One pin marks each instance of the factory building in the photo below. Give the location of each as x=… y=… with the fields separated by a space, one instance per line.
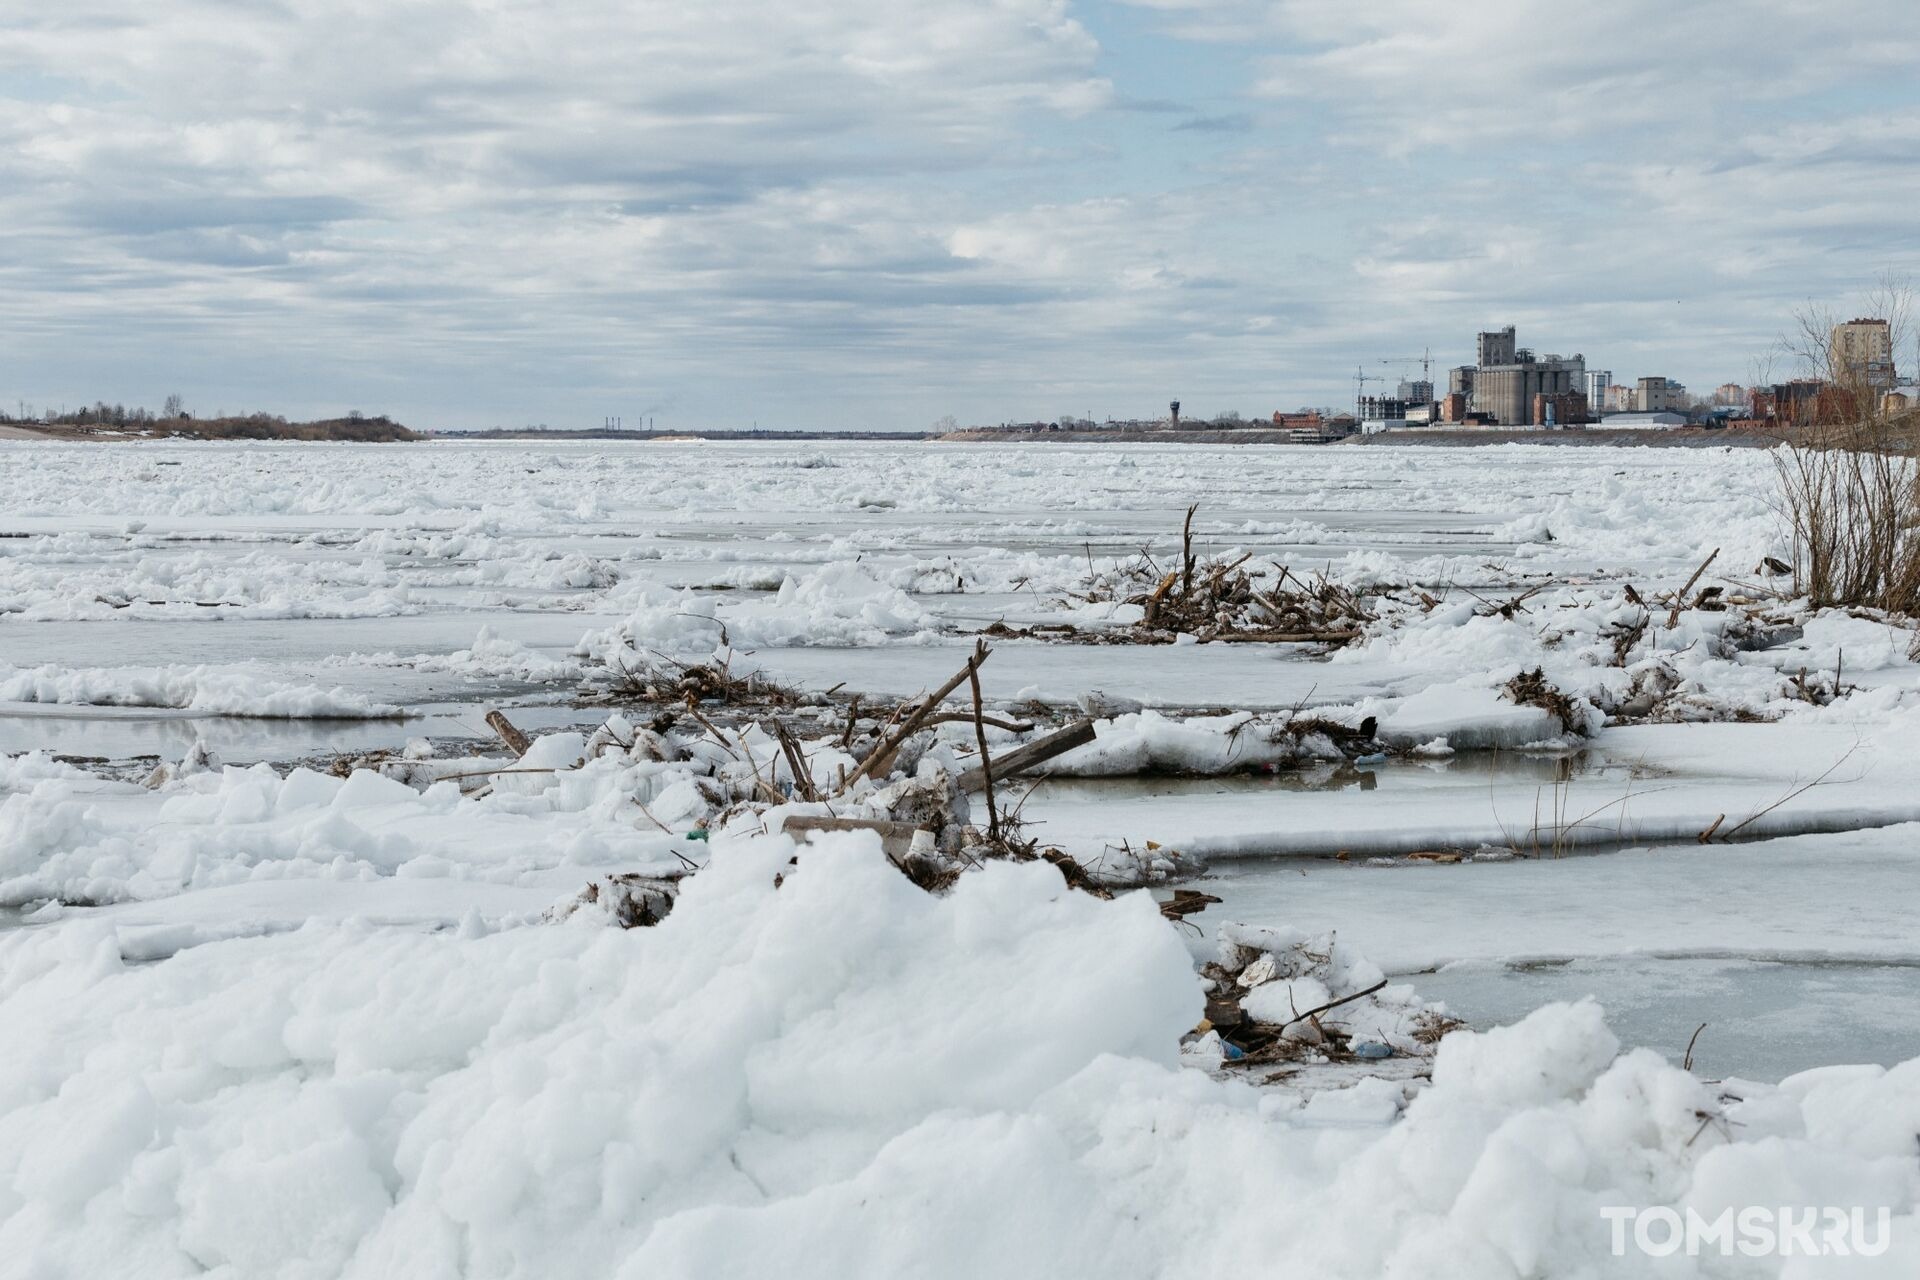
x=1507 y=378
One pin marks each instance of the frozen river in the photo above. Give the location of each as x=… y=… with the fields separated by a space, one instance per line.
x=390 y=593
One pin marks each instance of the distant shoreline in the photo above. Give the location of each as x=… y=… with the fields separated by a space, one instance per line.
x=1474 y=437
x=334 y=430
x=669 y=437
x=371 y=431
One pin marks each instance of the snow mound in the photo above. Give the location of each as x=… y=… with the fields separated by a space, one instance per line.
x=839 y=1076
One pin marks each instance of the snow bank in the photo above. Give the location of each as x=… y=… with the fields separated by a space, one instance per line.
x=207 y=690
x=840 y=1076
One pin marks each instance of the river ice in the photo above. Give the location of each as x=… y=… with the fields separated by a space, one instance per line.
x=263 y=1021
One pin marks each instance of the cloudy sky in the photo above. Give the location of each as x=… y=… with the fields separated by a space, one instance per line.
x=871 y=213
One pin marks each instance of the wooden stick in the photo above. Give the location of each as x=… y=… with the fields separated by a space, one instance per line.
x=517 y=742
x=491 y=773
x=986 y=763
x=796 y=761
x=1186 y=554
x=1679 y=598
x=693 y=709
x=950 y=717
x=1039 y=751
x=1333 y=1004
x=891 y=743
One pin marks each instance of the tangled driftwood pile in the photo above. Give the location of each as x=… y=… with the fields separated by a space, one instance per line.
x=1222 y=599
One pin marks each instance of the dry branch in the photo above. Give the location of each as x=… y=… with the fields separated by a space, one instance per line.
x=881 y=754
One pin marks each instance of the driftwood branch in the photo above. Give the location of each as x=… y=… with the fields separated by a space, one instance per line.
x=517 y=742
x=1679 y=598
x=918 y=718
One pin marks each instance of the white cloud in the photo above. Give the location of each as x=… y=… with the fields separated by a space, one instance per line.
x=471 y=211
x=1408 y=74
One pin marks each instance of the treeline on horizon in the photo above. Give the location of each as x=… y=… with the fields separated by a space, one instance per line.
x=174 y=420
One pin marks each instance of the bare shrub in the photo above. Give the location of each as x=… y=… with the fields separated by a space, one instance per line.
x=1850 y=495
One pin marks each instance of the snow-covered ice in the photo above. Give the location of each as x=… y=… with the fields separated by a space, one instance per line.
x=266 y=1020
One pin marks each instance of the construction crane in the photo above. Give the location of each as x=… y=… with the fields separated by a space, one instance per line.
x=1426 y=364
x=1360 y=380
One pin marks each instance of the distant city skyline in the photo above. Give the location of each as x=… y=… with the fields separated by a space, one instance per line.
x=874 y=213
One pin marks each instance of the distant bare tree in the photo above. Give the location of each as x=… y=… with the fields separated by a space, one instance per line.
x=1809 y=345
x=175 y=407
x=1849 y=481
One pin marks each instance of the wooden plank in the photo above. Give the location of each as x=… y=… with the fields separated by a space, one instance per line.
x=895 y=837
x=1039 y=751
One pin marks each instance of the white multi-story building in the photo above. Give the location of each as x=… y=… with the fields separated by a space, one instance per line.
x=1598 y=380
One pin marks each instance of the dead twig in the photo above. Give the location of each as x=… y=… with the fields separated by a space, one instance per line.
x=1686 y=1063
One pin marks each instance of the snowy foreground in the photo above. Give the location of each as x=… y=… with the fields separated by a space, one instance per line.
x=298 y=977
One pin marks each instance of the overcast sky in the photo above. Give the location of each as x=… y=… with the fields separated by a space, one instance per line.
x=871 y=213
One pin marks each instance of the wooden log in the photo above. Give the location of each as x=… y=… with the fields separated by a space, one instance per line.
x=1157 y=598
x=1284 y=637
x=1037 y=752
x=517 y=742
